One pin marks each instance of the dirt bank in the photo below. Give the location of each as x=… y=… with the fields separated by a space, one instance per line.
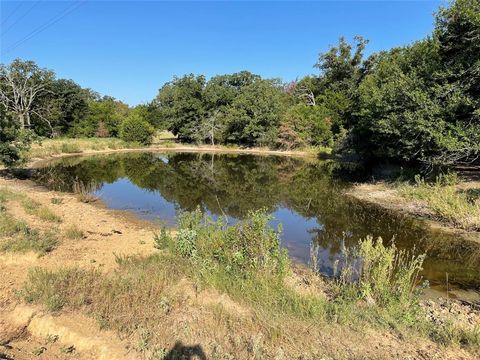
x=181 y=148
x=106 y=234
x=387 y=197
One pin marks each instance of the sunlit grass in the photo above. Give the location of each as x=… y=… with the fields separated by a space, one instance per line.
x=49 y=147
x=36 y=209
x=74 y=233
x=446 y=200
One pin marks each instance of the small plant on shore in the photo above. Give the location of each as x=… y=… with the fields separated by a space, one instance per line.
x=39 y=351
x=381 y=274
x=74 y=233
x=56 y=201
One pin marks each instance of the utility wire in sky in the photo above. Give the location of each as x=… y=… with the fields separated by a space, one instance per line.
x=45 y=26
x=20 y=18
x=4 y=21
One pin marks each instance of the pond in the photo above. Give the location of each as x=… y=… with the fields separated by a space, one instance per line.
x=305 y=195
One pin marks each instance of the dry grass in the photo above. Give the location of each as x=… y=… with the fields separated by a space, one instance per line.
x=447 y=199
x=50 y=147
x=34 y=208
x=74 y=233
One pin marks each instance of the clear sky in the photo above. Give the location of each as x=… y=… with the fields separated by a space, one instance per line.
x=129 y=49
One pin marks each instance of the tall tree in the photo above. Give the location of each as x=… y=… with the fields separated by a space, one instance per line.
x=22 y=85
x=181 y=105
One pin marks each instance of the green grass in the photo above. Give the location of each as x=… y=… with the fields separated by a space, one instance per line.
x=16 y=235
x=446 y=200
x=34 y=208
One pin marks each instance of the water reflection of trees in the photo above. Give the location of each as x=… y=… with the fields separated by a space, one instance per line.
x=234 y=184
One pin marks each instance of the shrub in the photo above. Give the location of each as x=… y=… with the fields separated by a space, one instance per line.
x=247 y=248
x=135 y=129
x=382 y=274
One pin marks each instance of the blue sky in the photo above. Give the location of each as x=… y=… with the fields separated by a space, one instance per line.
x=129 y=49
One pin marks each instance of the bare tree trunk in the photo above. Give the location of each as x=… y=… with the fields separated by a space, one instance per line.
x=212 y=134
x=21 y=120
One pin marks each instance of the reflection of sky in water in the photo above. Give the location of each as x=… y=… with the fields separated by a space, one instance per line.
x=123 y=195
x=296 y=234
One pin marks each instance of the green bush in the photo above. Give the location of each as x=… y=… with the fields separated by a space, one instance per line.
x=382 y=274
x=247 y=248
x=135 y=129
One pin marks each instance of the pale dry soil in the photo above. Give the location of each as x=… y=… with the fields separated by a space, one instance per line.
x=25 y=329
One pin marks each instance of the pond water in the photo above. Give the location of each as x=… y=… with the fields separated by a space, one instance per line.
x=305 y=195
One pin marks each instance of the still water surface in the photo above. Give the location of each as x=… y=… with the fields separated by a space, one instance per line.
x=305 y=196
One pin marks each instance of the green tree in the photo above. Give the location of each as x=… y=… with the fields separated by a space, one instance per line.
x=13 y=140
x=135 y=128
x=311 y=123
x=254 y=115
x=181 y=105
x=103 y=118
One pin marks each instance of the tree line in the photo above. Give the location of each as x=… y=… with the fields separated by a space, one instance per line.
x=418 y=103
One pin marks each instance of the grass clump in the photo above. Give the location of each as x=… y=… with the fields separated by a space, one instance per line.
x=34 y=208
x=74 y=233
x=70 y=148
x=446 y=200
x=16 y=236
x=56 y=201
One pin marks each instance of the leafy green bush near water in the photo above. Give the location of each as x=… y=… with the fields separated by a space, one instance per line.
x=248 y=247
